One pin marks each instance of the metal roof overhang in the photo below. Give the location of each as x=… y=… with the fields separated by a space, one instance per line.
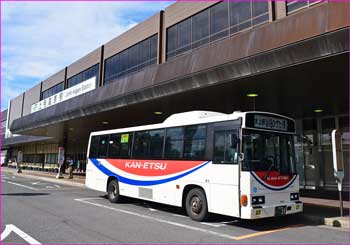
x=145 y=86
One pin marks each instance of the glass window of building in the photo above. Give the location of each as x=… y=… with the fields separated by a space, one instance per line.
x=153 y=49
x=53 y=90
x=219 y=21
x=200 y=25
x=184 y=36
x=131 y=60
x=260 y=12
x=144 y=53
x=214 y=23
x=84 y=75
x=171 y=41
x=293 y=6
x=240 y=16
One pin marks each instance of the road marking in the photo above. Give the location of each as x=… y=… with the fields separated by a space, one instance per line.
x=19 y=232
x=28 y=187
x=260 y=233
x=237 y=238
x=213 y=224
x=84 y=200
x=229 y=222
x=179 y=215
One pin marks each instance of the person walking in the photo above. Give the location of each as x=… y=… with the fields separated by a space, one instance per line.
x=70 y=167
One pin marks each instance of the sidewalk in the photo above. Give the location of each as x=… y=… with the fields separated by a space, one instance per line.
x=316 y=210
x=77 y=181
x=325 y=211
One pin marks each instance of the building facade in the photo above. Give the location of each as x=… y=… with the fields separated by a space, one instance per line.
x=283 y=57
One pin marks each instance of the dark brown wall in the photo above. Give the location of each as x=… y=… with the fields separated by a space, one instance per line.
x=16 y=108
x=31 y=96
x=304 y=24
x=297 y=27
x=84 y=63
x=136 y=34
x=53 y=80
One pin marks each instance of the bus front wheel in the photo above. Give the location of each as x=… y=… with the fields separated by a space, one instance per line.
x=196 y=205
x=113 y=191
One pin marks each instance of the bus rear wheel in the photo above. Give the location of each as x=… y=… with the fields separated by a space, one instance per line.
x=196 y=205
x=113 y=191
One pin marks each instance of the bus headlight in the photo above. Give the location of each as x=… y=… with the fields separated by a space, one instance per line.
x=294 y=196
x=258 y=200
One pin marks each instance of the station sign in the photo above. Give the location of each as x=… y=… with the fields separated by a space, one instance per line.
x=60 y=155
x=338 y=162
x=67 y=94
x=19 y=156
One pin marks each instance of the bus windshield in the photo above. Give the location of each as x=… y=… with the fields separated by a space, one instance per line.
x=268 y=151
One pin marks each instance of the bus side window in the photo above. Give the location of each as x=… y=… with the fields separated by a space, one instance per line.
x=94 y=147
x=141 y=144
x=174 y=143
x=195 y=140
x=114 y=146
x=224 y=151
x=156 y=144
x=103 y=146
x=125 y=145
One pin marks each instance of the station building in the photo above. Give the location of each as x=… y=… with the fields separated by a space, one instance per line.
x=290 y=58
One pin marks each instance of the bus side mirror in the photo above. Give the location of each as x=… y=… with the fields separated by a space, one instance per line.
x=234 y=140
x=241 y=157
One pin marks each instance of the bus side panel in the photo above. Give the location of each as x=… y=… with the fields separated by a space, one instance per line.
x=164 y=193
x=224 y=182
x=95 y=179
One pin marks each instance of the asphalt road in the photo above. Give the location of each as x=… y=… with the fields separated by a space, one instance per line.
x=36 y=211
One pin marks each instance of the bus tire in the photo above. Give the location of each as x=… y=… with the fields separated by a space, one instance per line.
x=113 y=191
x=196 y=205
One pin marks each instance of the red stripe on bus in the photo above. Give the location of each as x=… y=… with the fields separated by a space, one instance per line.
x=153 y=167
x=274 y=178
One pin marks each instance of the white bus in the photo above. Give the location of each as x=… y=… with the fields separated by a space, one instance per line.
x=240 y=164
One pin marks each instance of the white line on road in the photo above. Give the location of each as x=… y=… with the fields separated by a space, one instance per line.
x=19 y=232
x=213 y=224
x=28 y=187
x=179 y=215
x=84 y=200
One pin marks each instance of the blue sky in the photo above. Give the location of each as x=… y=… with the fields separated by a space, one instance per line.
x=41 y=38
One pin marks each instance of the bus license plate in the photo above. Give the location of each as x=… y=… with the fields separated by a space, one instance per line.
x=280 y=210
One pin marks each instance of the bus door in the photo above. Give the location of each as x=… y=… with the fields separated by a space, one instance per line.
x=224 y=177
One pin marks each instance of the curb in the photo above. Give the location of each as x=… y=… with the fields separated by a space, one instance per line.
x=57 y=181
x=338 y=222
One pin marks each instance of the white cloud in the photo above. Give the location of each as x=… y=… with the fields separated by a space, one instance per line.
x=40 y=39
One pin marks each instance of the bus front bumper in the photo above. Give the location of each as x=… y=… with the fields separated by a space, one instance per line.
x=258 y=212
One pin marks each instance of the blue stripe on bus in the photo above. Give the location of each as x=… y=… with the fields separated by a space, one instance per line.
x=273 y=188
x=125 y=180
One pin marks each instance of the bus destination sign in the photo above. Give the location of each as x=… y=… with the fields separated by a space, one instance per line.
x=272 y=123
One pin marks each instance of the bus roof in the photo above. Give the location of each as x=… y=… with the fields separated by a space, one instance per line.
x=188 y=118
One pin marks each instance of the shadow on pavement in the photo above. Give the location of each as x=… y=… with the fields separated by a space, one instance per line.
x=24 y=194
x=257 y=225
